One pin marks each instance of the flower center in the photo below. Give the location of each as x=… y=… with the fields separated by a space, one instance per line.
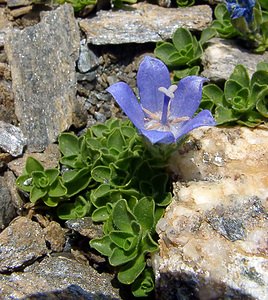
x=168 y=94
x=161 y=120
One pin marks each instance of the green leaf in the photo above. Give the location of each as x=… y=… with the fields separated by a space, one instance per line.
x=52 y=175
x=182 y=37
x=101 y=191
x=262 y=103
x=69 y=144
x=128 y=131
x=33 y=164
x=73 y=161
x=122 y=216
x=262 y=66
x=51 y=202
x=231 y=89
x=102 y=245
x=251 y=119
x=57 y=189
x=102 y=174
x=129 y=272
x=98 y=130
x=144 y=212
x=184 y=3
x=163 y=51
x=144 y=284
x=179 y=74
x=213 y=93
x=40 y=179
x=125 y=240
x=120 y=257
x=240 y=75
x=207 y=34
x=225 y=115
x=101 y=214
x=260 y=77
x=37 y=193
x=24 y=183
x=79 y=209
x=116 y=140
x=79 y=182
x=148 y=244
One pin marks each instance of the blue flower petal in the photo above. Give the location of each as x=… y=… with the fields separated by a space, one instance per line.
x=187 y=96
x=126 y=99
x=204 y=118
x=151 y=75
x=156 y=136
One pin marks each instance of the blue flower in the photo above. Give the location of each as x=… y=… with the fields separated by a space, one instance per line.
x=165 y=112
x=241 y=8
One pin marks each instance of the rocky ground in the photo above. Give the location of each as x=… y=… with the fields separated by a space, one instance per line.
x=54 y=70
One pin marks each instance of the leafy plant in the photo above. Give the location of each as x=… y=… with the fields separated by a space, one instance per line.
x=223 y=22
x=127 y=241
x=78 y=5
x=245 y=19
x=109 y=173
x=184 y=3
x=243 y=100
x=184 y=51
x=45 y=185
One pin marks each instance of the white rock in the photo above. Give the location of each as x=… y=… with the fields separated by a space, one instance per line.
x=222 y=55
x=213 y=237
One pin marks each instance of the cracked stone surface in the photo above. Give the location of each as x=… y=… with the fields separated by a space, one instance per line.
x=142 y=23
x=213 y=237
x=21 y=243
x=42 y=59
x=222 y=55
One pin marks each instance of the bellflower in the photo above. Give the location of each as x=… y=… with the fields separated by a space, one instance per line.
x=241 y=8
x=165 y=112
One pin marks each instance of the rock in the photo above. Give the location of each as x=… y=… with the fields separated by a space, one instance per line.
x=7 y=111
x=222 y=55
x=12 y=139
x=49 y=159
x=42 y=59
x=142 y=23
x=213 y=237
x=21 y=11
x=87 y=58
x=10 y=183
x=217 y=152
x=21 y=243
x=55 y=276
x=16 y=3
x=85 y=227
x=7 y=209
x=55 y=236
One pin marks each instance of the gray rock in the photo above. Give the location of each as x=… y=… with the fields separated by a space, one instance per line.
x=16 y=3
x=87 y=58
x=7 y=209
x=221 y=56
x=142 y=23
x=42 y=59
x=12 y=139
x=58 y=276
x=21 y=243
x=88 y=76
x=85 y=227
x=10 y=183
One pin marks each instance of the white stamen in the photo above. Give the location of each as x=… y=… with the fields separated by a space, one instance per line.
x=168 y=92
x=153 y=116
x=180 y=119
